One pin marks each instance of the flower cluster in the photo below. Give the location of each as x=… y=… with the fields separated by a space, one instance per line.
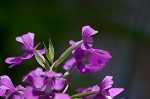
x=49 y=83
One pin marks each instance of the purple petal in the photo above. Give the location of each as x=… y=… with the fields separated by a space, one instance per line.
x=106 y=83
x=19 y=87
x=81 y=67
x=35 y=78
x=115 y=91
x=10 y=92
x=72 y=42
x=86 y=46
x=6 y=81
x=59 y=83
x=69 y=63
x=96 y=60
x=100 y=96
x=87 y=32
x=88 y=68
x=51 y=74
x=27 y=55
x=13 y=60
x=54 y=81
x=58 y=75
x=38 y=82
x=27 y=40
x=62 y=96
x=79 y=54
x=37 y=45
x=30 y=93
x=42 y=51
x=36 y=73
x=17 y=95
x=96 y=88
x=18 y=60
x=80 y=90
x=98 y=57
x=2 y=92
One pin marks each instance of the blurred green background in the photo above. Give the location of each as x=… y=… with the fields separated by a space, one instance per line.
x=124 y=31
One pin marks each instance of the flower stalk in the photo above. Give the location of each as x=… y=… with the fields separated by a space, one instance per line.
x=64 y=55
x=41 y=60
x=83 y=94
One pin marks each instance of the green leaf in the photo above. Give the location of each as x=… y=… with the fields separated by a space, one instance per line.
x=41 y=60
x=65 y=54
x=49 y=52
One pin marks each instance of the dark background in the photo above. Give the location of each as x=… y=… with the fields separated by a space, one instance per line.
x=124 y=31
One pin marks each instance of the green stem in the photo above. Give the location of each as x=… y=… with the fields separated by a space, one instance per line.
x=42 y=61
x=66 y=74
x=80 y=95
x=64 y=55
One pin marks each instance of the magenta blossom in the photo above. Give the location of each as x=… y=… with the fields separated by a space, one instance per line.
x=96 y=60
x=86 y=58
x=43 y=83
x=28 y=44
x=41 y=79
x=105 y=90
x=87 y=33
x=32 y=93
x=8 y=90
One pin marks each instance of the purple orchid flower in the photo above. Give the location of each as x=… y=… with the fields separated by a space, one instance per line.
x=32 y=93
x=87 y=33
x=8 y=90
x=95 y=61
x=40 y=79
x=43 y=83
x=104 y=90
x=28 y=44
